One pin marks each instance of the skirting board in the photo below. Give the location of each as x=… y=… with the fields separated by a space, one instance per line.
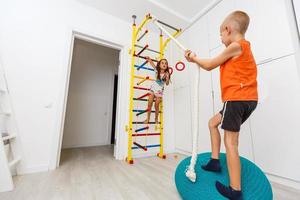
x=33 y=169
x=284 y=182
x=186 y=153
x=84 y=145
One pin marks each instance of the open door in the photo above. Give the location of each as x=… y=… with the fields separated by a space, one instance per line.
x=114 y=109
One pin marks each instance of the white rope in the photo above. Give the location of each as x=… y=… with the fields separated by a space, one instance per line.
x=170 y=36
x=190 y=173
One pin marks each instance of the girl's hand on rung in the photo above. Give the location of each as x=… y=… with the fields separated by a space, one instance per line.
x=167 y=76
x=148 y=58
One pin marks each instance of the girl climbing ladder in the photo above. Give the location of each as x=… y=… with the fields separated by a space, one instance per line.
x=139 y=130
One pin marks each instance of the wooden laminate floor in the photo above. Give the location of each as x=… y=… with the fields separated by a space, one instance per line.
x=93 y=173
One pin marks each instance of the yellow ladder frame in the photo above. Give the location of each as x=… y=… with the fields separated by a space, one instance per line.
x=162 y=48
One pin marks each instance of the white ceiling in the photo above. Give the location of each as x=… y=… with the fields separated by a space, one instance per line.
x=179 y=13
x=187 y=9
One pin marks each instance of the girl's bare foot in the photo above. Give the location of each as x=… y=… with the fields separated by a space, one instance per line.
x=146 y=121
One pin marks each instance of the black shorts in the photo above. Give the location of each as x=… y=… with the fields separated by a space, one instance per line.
x=235 y=113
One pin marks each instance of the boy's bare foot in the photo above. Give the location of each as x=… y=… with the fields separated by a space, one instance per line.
x=146 y=121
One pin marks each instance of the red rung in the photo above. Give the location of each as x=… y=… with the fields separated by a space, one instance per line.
x=145 y=134
x=141 y=88
x=147 y=94
x=142 y=147
x=143 y=49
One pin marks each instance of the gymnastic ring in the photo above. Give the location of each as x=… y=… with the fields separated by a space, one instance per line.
x=170 y=70
x=180 y=63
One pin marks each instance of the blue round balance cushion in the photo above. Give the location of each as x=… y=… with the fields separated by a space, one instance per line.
x=255 y=185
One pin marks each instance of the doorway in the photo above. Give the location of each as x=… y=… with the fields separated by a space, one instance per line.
x=92 y=96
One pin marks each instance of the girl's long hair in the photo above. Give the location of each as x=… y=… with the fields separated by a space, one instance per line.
x=158 y=69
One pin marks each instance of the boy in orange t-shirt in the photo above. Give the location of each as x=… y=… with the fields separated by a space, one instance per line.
x=238 y=74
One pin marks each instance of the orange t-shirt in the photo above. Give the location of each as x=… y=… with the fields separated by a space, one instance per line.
x=238 y=76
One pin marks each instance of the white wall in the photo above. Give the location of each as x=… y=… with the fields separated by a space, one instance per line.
x=268 y=138
x=194 y=38
x=89 y=107
x=35 y=39
x=35 y=48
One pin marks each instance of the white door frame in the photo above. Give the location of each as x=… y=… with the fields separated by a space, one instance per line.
x=55 y=156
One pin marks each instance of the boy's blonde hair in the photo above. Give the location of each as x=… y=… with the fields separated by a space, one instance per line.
x=240 y=20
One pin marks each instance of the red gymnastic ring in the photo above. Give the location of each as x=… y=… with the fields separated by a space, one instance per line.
x=170 y=70
x=180 y=63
